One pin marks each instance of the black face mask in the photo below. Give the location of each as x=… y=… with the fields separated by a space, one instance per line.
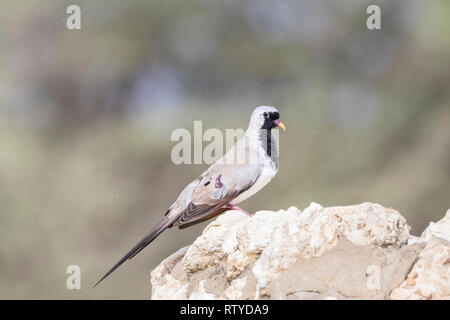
x=269 y=118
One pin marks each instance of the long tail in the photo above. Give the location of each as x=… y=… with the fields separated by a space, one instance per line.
x=149 y=237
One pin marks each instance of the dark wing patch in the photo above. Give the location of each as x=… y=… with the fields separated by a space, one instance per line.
x=219 y=183
x=197 y=213
x=194 y=212
x=203 y=218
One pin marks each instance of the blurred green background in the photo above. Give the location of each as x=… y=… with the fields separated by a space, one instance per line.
x=86 y=117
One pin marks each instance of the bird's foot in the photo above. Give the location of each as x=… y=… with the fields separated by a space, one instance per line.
x=233 y=207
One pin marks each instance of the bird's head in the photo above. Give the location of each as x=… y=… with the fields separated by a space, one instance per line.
x=266 y=117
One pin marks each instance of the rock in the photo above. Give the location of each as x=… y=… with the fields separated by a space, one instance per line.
x=346 y=272
x=439 y=229
x=362 y=251
x=430 y=276
x=163 y=274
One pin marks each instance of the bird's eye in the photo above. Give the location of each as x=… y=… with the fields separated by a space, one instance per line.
x=265 y=114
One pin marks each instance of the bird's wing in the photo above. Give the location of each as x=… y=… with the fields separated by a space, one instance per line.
x=218 y=186
x=202 y=199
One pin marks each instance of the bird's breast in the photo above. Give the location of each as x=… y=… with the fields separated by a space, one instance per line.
x=266 y=175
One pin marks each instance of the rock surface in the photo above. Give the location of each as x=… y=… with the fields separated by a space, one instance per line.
x=352 y=252
x=430 y=275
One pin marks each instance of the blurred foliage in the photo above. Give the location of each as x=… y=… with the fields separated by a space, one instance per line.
x=86 y=118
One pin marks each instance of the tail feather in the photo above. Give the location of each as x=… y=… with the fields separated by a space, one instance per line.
x=149 y=237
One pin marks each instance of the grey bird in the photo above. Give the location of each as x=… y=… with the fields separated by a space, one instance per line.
x=244 y=170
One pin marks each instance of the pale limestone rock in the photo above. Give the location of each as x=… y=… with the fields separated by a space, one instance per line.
x=439 y=229
x=161 y=277
x=173 y=289
x=250 y=258
x=430 y=276
x=372 y=224
x=200 y=293
x=234 y=291
x=414 y=239
x=207 y=249
x=278 y=239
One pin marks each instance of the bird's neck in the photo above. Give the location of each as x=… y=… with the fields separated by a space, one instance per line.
x=263 y=138
x=266 y=141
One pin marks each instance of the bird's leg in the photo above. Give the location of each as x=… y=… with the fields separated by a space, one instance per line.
x=233 y=207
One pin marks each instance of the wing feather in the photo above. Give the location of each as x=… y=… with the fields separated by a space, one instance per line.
x=208 y=199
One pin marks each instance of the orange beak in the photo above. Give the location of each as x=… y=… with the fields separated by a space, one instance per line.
x=280 y=124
